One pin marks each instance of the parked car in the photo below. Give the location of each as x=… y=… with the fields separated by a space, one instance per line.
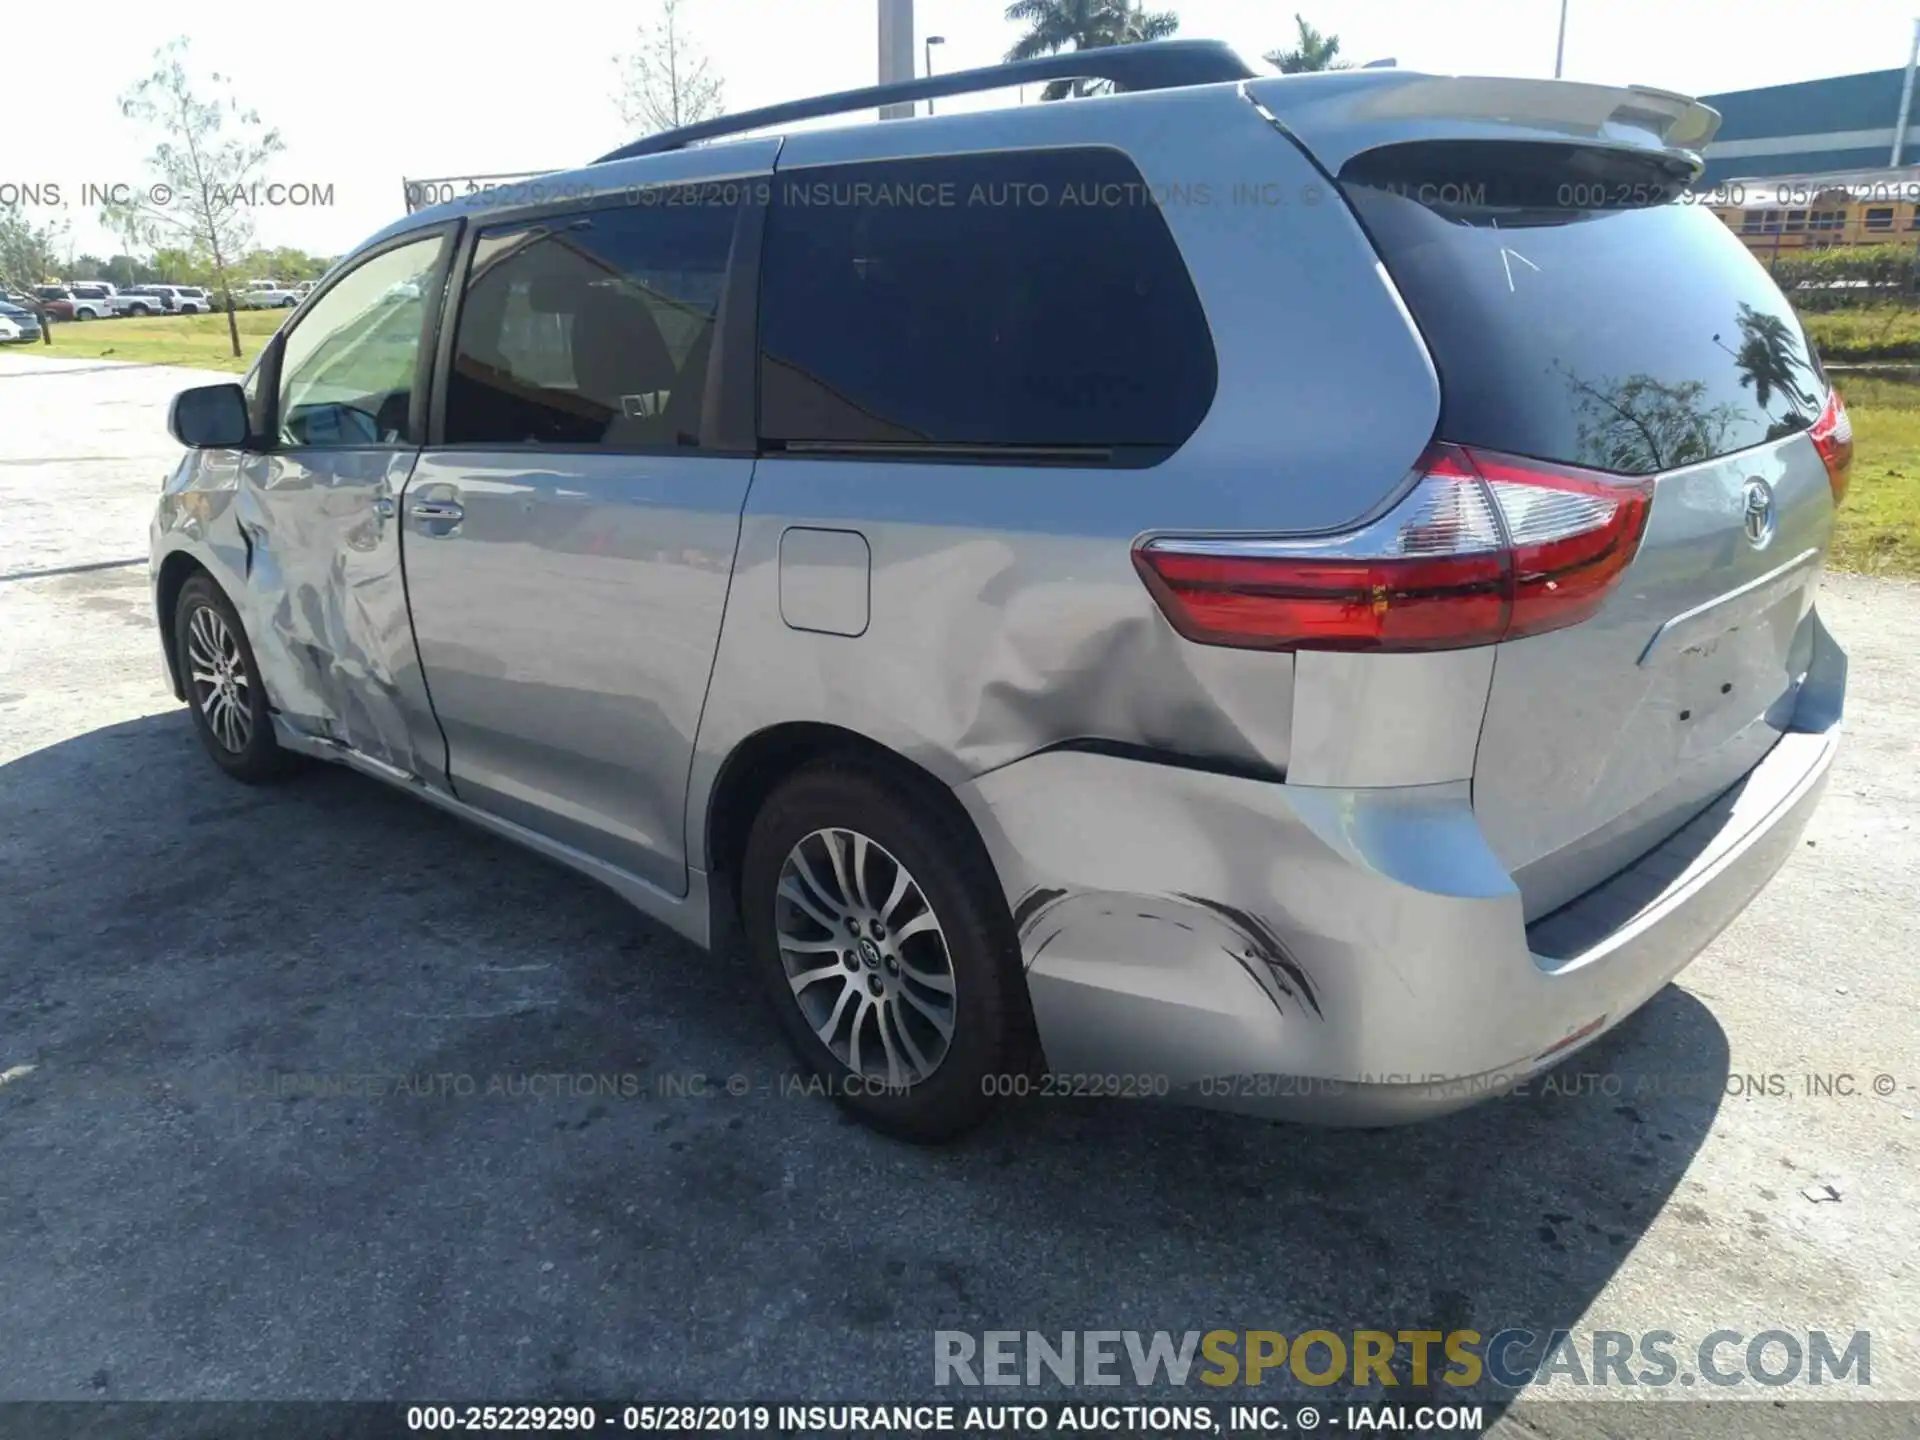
x=144 y=300
x=57 y=300
x=190 y=299
x=92 y=300
x=24 y=323
x=268 y=295
x=1333 y=646
x=9 y=331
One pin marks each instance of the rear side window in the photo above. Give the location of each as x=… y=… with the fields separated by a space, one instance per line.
x=590 y=329
x=1579 y=310
x=1003 y=303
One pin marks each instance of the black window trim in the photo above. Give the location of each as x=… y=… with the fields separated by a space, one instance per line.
x=266 y=423
x=731 y=401
x=1012 y=455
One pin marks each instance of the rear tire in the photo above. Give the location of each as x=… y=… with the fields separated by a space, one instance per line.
x=884 y=944
x=222 y=683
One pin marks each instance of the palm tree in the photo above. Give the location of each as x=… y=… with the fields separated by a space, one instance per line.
x=1056 y=25
x=1314 y=52
x=1770 y=358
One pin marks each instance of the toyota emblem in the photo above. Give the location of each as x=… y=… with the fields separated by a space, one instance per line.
x=1756 y=513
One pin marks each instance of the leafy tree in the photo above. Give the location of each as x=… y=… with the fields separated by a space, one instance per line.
x=119 y=271
x=29 y=256
x=283 y=263
x=175 y=266
x=1057 y=25
x=1314 y=52
x=1638 y=424
x=667 y=81
x=124 y=270
x=206 y=152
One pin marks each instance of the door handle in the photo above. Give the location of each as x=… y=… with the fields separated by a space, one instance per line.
x=440 y=510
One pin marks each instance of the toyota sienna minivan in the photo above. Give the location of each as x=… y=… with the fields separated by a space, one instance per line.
x=1294 y=593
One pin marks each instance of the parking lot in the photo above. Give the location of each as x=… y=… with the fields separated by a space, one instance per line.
x=312 y=1091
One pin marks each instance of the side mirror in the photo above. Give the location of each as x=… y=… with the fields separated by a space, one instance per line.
x=209 y=417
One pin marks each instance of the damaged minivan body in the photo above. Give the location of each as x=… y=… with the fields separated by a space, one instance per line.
x=1331 y=559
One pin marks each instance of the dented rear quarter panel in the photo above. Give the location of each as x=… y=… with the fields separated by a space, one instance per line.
x=1005 y=614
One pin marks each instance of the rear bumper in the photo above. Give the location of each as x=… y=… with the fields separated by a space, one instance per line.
x=1349 y=956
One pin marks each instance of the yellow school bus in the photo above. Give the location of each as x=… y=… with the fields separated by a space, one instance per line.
x=1810 y=212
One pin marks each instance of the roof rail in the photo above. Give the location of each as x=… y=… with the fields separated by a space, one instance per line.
x=1153 y=65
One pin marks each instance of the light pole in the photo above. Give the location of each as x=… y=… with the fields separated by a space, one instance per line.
x=896 y=54
x=1560 y=49
x=932 y=40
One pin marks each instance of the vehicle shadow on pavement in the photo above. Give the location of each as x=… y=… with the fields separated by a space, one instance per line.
x=316 y=1091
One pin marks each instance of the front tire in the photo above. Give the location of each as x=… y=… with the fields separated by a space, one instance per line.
x=884 y=944
x=222 y=682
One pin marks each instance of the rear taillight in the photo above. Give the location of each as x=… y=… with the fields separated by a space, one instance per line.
x=1486 y=548
x=1832 y=436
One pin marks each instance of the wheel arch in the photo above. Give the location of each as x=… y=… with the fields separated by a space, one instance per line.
x=175 y=570
x=762 y=761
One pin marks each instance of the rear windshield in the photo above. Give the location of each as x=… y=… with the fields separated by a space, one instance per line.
x=1579 y=308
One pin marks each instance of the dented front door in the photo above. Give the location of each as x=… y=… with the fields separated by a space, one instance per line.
x=319 y=508
x=326 y=575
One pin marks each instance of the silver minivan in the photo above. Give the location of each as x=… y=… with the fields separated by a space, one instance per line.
x=1292 y=593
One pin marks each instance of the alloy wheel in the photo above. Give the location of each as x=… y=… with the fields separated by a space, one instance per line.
x=865 y=957
x=219 y=676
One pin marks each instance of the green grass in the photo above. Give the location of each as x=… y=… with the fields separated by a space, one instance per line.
x=1880 y=332
x=197 y=340
x=1879 y=528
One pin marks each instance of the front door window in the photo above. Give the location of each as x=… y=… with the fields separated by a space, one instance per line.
x=349 y=368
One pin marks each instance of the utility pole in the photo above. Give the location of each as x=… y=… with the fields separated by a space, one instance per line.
x=1560 y=48
x=1906 y=98
x=896 y=52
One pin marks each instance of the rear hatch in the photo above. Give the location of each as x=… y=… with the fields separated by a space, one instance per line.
x=1580 y=311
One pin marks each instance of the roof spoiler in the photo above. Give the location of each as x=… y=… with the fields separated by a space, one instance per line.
x=1338 y=116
